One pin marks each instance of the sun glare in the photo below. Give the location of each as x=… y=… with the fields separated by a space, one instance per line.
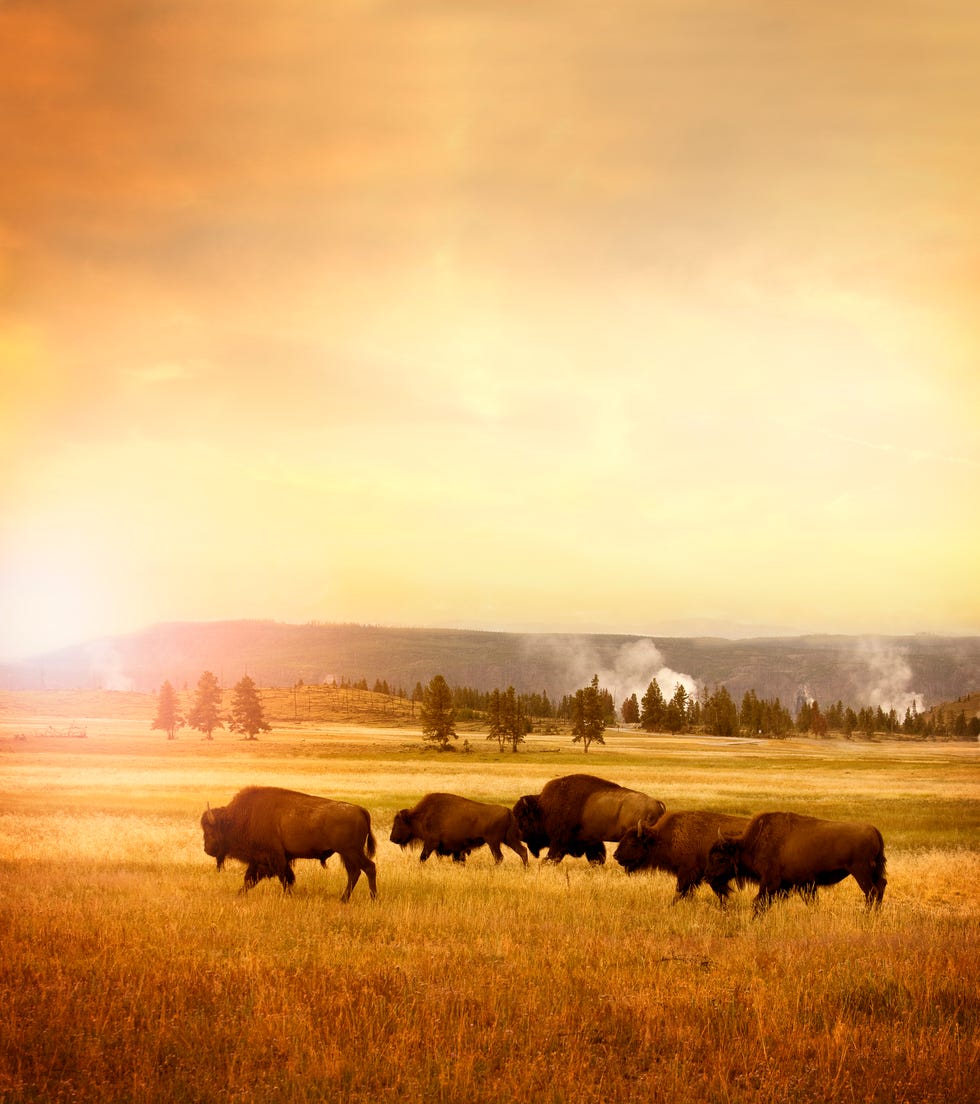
x=45 y=606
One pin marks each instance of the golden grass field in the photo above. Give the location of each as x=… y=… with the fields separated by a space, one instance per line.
x=132 y=970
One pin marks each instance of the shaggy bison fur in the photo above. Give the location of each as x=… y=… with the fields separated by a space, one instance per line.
x=788 y=851
x=268 y=828
x=575 y=814
x=678 y=843
x=452 y=825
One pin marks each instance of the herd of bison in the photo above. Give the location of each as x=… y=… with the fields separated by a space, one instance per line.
x=268 y=828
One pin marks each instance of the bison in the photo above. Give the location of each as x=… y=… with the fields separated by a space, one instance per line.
x=789 y=851
x=451 y=825
x=574 y=814
x=267 y=828
x=679 y=844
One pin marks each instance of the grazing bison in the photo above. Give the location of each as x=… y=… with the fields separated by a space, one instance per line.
x=573 y=815
x=451 y=825
x=787 y=851
x=679 y=844
x=267 y=828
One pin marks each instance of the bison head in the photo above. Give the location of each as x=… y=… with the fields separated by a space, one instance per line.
x=529 y=817
x=215 y=844
x=633 y=851
x=722 y=863
x=401 y=829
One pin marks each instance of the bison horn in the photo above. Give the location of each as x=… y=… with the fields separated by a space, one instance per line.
x=209 y=814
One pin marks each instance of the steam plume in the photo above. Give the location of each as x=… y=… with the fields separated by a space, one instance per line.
x=889 y=677
x=631 y=670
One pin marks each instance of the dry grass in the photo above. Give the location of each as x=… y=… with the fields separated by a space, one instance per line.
x=133 y=971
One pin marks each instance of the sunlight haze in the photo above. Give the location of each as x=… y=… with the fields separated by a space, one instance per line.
x=650 y=318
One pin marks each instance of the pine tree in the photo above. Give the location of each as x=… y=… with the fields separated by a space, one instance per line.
x=246 y=710
x=437 y=713
x=652 y=708
x=804 y=716
x=720 y=713
x=417 y=695
x=588 y=715
x=630 y=710
x=675 y=716
x=516 y=718
x=495 y=716
x=750 y=715
x=168 y=715
x=205 y=714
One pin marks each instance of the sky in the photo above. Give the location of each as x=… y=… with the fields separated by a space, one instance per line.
x=645 y=317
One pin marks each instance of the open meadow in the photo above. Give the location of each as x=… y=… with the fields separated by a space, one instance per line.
x=132 y=970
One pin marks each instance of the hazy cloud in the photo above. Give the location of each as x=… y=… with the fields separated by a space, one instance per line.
x=570 y=314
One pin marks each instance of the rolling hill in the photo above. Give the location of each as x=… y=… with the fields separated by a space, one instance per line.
x=859 y=671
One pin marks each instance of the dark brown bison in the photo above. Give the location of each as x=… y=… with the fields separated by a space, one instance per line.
x=267 y=828
x=573 y=815
x=679 y=844
x=452 y=825
x=788 y=851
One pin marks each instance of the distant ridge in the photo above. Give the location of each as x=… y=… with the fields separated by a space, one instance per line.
x=857 y=670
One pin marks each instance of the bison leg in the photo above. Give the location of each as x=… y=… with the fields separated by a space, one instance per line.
x=722 y=892
x=252 y=877
x=426 y=852
x=763 y=900
x=498 y=855
x=685 y=890
x=353 y=873
x=460 y=856
x=286 y=877
x=515 y=843
x=520 y=850
x=371 y=870
x=255 y=871
x=808 y=891
x=689 y=877
x=354 y=867
x=872 y=883
x=596 y=853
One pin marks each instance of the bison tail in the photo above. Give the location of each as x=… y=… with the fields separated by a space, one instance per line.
x=370 y=845
x=879 y=864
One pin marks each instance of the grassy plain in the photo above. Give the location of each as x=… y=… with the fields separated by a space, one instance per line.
x=131 y=970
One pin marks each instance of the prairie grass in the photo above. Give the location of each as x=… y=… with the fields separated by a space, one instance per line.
x=131 y=970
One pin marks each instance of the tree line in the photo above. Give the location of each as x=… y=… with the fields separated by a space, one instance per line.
x=717 y=714
x=510 y=715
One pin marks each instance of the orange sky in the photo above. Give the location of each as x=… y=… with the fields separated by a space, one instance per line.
x=639 y=317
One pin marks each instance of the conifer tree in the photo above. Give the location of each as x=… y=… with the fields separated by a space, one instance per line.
x=588 y=715
x=246 y=710
x=652 y=708
x=438 y=714
x=168 y=715
x=675 y=716
x=721 y=716
x=630 y=710
x=495 y=717
x=205 y=714
x=515 y=715
x=417 y=696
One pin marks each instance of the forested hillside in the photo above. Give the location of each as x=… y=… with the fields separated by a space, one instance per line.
x=892 y=671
